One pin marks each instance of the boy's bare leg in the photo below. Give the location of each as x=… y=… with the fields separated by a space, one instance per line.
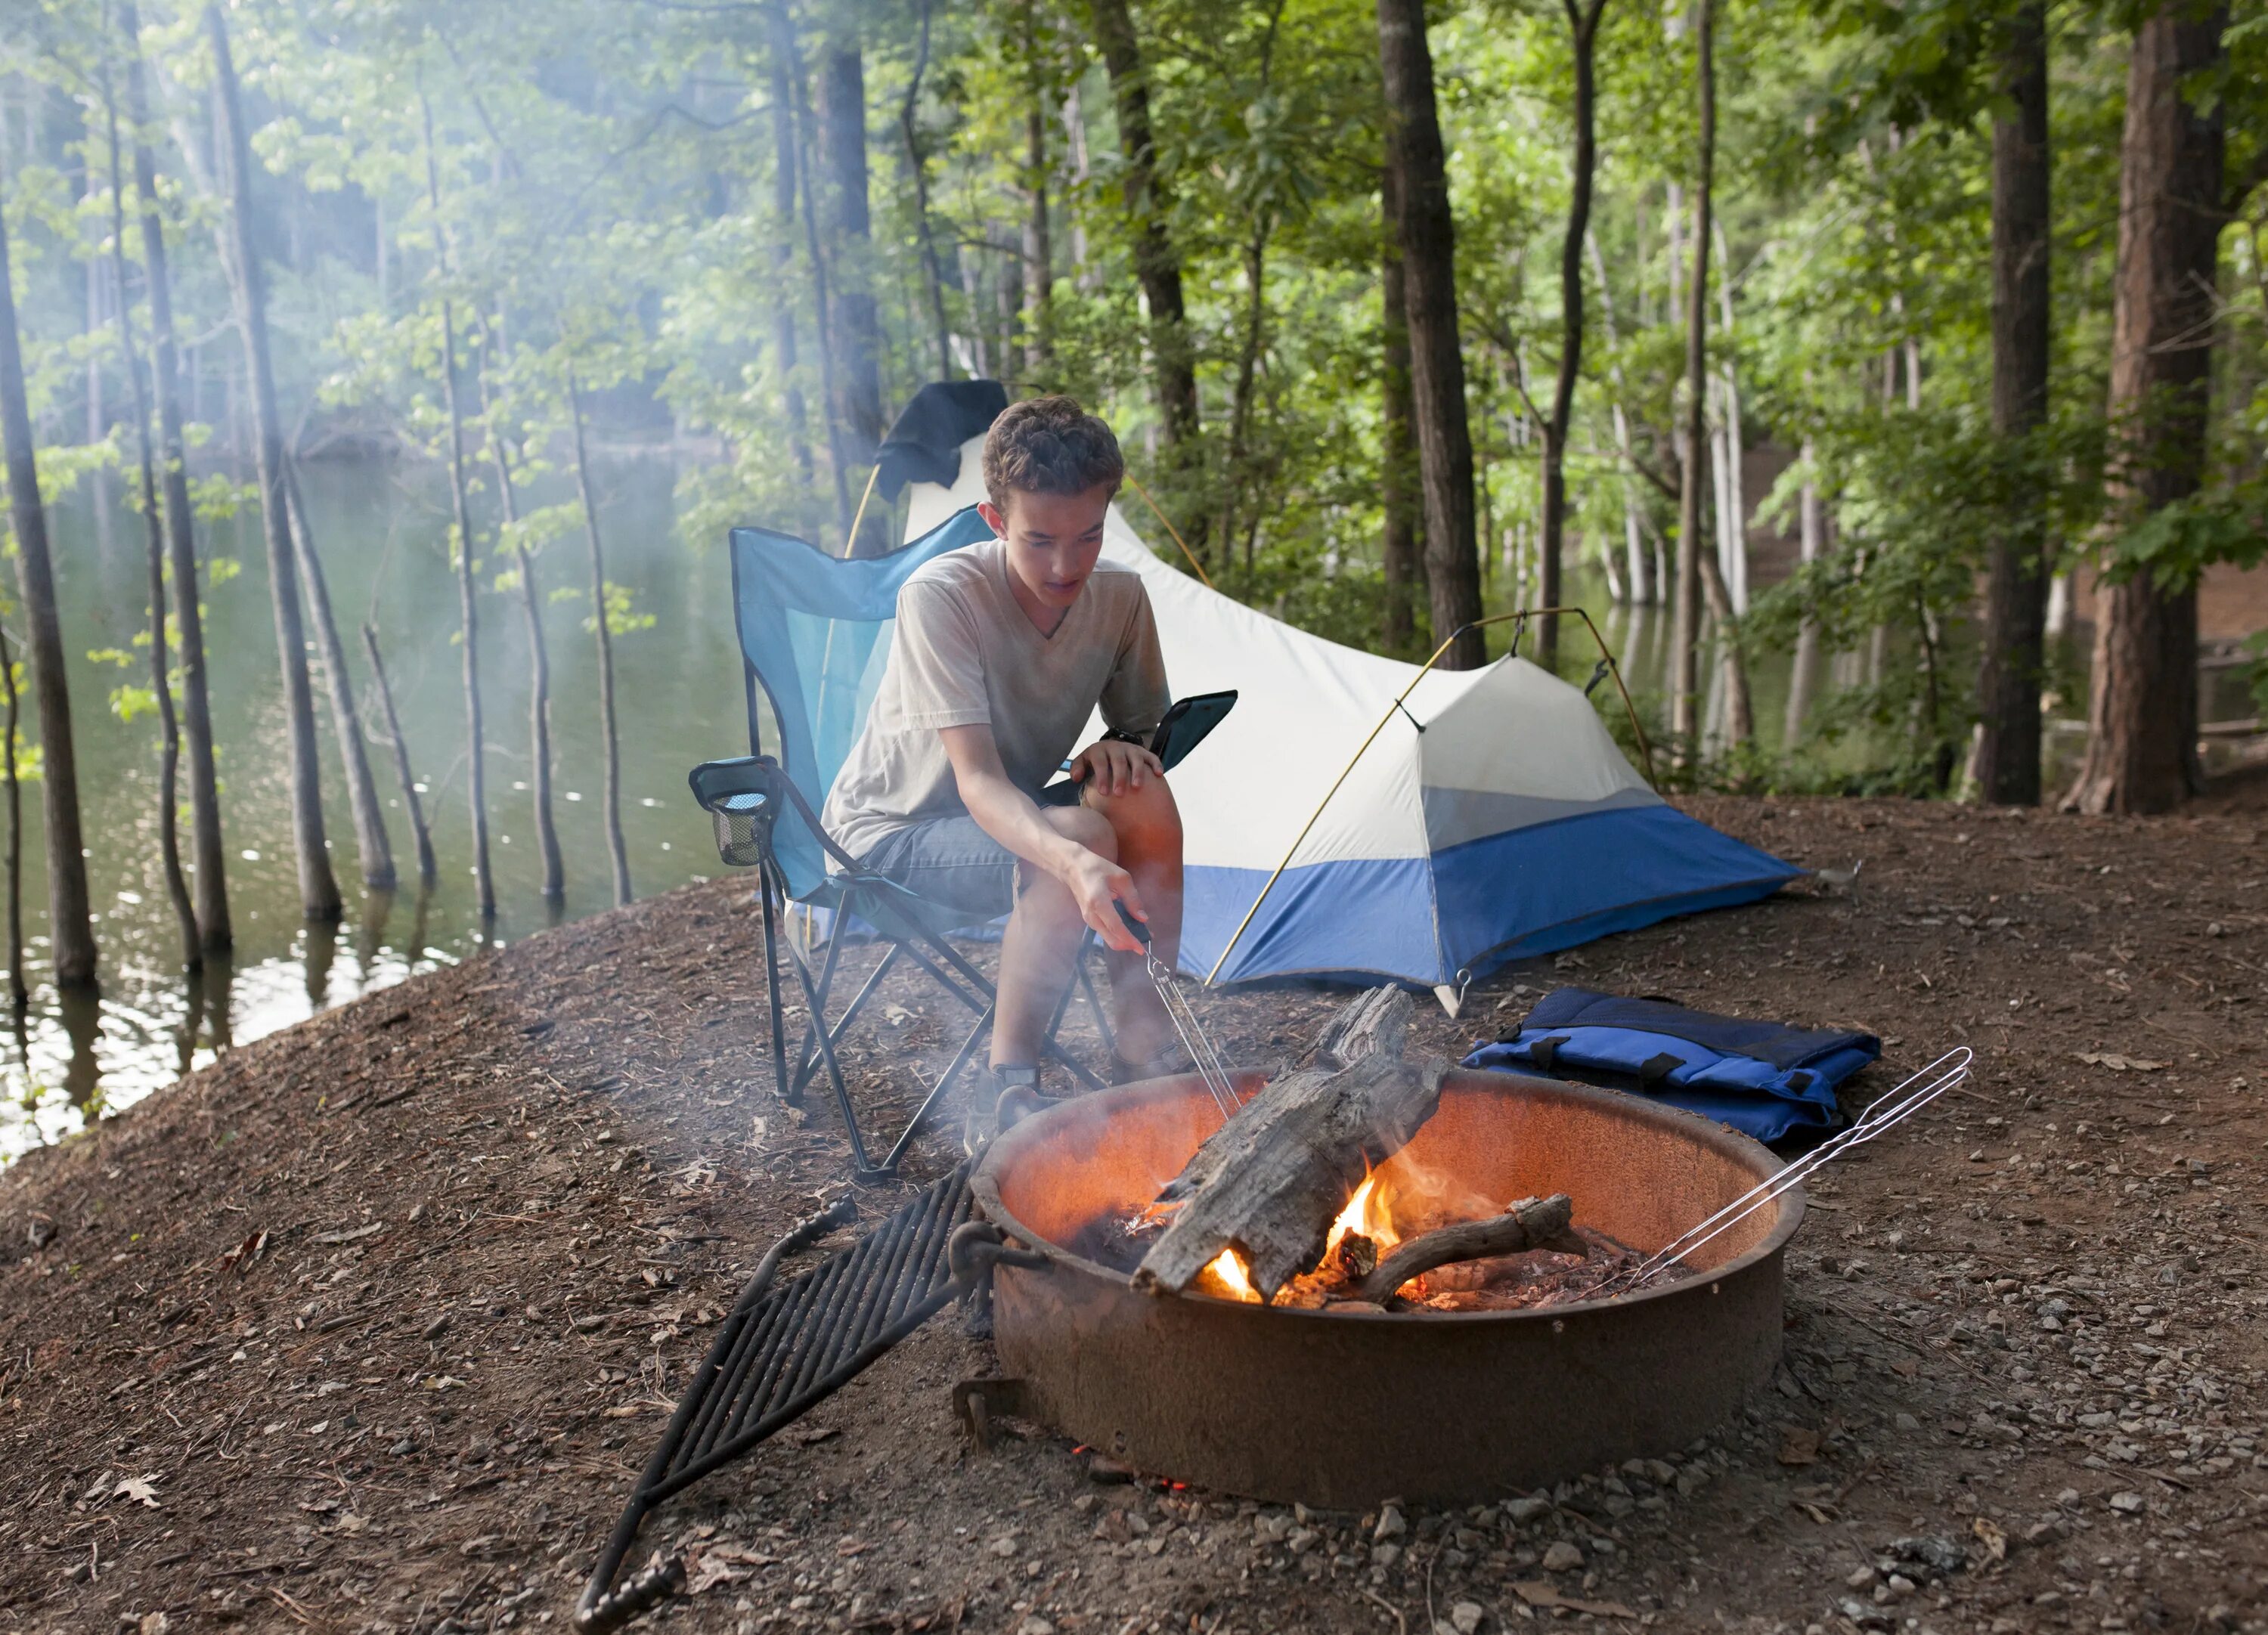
x=1041 y=940
x=1147 y=827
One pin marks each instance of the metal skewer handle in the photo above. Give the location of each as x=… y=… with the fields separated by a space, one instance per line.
x=1206 y=1058
x=1893 y=1107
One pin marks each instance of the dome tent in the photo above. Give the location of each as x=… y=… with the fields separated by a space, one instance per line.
x=1491 y=817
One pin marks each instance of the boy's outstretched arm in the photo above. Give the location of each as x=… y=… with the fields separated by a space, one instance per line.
x=1013 y=818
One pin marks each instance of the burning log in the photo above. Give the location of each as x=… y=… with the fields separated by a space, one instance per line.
x=1527 y=1224
x=1270 y=1181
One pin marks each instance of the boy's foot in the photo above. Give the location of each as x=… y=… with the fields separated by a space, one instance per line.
x=1002 y=1095
x=1171 y=1060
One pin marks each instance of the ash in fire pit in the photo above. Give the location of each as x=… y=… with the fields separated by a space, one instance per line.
x=1307 y=1197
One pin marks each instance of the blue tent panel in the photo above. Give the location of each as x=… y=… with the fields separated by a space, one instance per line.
x=1474 y=906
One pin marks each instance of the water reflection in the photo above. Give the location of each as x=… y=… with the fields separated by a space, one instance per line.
x=381 y=530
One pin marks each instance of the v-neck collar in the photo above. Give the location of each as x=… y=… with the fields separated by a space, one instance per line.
x=1004 y=582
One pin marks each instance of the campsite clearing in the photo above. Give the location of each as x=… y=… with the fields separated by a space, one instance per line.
x=369 y=1325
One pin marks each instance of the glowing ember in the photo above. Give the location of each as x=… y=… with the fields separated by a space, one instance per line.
x=1227 y=1272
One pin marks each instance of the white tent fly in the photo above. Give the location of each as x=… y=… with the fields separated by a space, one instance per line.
x=1490 y=817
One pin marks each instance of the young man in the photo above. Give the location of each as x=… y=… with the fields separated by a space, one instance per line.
x=1001 y=653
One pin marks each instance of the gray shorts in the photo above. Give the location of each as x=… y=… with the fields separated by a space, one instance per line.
x=950 y=860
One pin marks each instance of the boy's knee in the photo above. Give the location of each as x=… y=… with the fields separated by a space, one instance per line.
x=1149 y=811
x=1091 y=828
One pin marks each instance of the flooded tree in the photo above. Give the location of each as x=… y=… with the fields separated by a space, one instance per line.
x=468 y=607
x=319 y=888
x=371 y=841
x=209 y=885
x=610 y=742
x=161 y=683
x=70 y=932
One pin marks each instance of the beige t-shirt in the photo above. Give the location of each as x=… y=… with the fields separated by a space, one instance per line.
x=964 y=653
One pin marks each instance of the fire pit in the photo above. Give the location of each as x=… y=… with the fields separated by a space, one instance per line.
x=1340 y=1409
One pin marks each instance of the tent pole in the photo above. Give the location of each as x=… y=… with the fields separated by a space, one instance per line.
x=1521 y=614
x=1135 y=483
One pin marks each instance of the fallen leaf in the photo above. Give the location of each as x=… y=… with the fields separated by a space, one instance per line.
x=141 y=1488
x=354 y=1235
x=1988 y=1534
x=710 y=1571
x=442 y=1382
x=815 y=1435
x=1539 y=1593
x=1799 y=1445
x=2118 y=1064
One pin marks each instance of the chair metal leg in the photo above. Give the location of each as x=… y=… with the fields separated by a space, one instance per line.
x=806 y=1063
x=791 y=1094
x=937 y=1092
x=843 y=1024
x=862 y=1165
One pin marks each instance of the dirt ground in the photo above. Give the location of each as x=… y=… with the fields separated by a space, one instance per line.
x=370 y=1326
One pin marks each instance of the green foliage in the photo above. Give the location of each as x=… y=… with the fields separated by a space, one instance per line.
x=581 y=197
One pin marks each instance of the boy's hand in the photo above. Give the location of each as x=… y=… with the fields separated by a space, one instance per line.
x=1099 y=886
x=1111 y=766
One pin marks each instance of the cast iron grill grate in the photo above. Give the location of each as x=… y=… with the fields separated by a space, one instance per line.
x=780 y=1352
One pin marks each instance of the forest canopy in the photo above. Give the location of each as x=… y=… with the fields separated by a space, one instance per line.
x=1935 y=381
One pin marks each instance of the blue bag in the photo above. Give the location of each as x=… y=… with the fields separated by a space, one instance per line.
x=1765 y=1079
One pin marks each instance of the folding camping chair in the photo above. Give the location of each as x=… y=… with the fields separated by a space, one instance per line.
x=813 y=636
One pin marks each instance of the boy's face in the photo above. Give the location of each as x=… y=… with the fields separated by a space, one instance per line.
x=1053 y=540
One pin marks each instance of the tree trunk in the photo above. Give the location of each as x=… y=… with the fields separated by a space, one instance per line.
x=427 y=871
x=2016 y=580
x=1039 y=245
x=1157 y=262
x=539 y=677
x=1740 y=707
x=786 y=51
x=371 y=841
x=209 y=872
x=17 y=989
x=1803 y=677
x=1637 y=565
x=1397 y=475
x=786 y=169
x=1238 y=514
x=856 y=405
x=1583 y=33
x=610 y=743
x=70 y=932
x=1685 y=636
x=1437 y=365
x=161 y=683
x=469 y=626
x=319 y=889
x=1732 y=532
x=2141 y=746
x=917 y=173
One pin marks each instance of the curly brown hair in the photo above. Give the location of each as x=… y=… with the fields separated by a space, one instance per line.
x=1049 y=446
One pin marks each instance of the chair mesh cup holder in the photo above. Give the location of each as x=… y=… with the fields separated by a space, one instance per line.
x=736 y=797
x=740 y=821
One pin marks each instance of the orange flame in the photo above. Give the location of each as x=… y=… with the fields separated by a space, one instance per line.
x=1227 y=1271
x=1366 y=1213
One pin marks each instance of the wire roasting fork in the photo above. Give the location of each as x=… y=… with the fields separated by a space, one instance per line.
x=1892 y=1107
x=1178 y=1011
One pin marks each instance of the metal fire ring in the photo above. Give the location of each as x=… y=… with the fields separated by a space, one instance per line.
x=1344 y=1411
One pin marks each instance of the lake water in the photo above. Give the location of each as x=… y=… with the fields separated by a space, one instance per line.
x=380 y=528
